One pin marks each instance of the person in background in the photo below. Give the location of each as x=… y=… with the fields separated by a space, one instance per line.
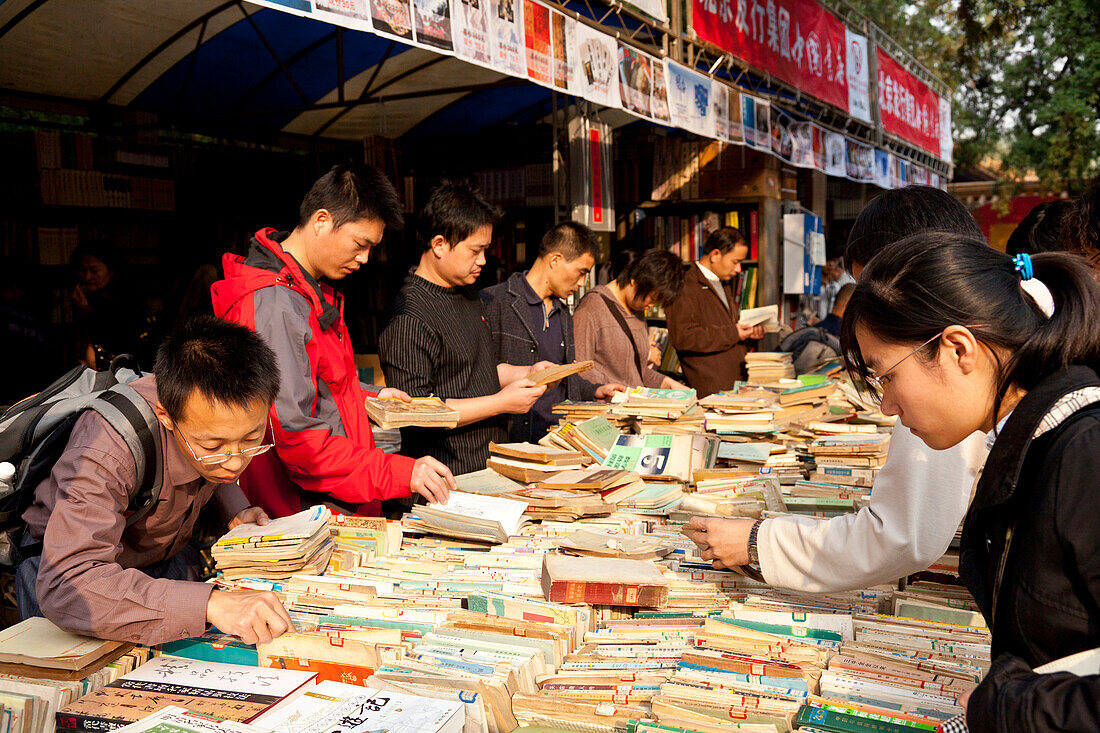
x=948 y=332
x=702 y=322
x=110 y=318
x=832 y=322
x=1040 y=230
x=530 y=321
x=325 y=452
x=438 y=341
x=833 y=278
x=919 y=495
x=1081 y=226
x=26 y=337
x=610 y=320
x=211 y=389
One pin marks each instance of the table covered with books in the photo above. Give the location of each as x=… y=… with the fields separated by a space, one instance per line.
x=558 y=589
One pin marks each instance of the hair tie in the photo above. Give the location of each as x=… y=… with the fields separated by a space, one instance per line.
x=1022 y=264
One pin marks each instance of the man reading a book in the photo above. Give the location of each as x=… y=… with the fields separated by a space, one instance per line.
x=702 y=322
x=530 y=321
x=324 y=447
x=103 y=574
x=438 y=341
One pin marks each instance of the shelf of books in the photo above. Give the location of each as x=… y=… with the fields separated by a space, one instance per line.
x=557 y=589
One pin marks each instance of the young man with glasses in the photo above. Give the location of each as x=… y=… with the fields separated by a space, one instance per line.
x=325 y=452
x=211 y=389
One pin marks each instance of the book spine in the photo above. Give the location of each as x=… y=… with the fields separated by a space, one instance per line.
x=607 y=594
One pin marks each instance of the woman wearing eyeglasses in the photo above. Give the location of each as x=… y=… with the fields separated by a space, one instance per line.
x=947 y=331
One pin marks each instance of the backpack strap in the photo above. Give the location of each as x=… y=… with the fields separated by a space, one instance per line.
x=132 y=417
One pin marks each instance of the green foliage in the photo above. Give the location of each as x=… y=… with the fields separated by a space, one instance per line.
x=1026 y=77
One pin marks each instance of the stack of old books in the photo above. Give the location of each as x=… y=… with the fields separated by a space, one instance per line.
x=664 y=457
x=595 y=436
x=846 y=460
x=528 y=462
x=429 y=412
x=470 y=517
x=300 y=543
x=645 y=402
x=577 y=412
x=766 y=367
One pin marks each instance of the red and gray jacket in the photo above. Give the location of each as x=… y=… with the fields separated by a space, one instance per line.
x=324 y=448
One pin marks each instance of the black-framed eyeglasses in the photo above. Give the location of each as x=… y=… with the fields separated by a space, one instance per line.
x=216 y=459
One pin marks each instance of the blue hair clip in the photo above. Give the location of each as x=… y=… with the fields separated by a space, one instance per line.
x=1022 y=264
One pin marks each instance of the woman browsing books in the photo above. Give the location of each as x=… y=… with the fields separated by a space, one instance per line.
x=944 y=329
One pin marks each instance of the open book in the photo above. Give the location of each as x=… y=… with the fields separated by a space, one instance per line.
x=766 y=316
x=471 y=517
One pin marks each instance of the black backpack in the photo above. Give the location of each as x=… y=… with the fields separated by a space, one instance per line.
x=35 y=431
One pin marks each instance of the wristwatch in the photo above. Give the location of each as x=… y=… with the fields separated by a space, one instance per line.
x=754 y=551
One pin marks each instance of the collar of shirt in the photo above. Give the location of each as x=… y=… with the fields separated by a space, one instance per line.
x=534 y=299
x=178 y=471
x=991 y=436
x=708 y=274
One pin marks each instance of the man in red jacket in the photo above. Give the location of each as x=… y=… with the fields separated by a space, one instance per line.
x=324 y=448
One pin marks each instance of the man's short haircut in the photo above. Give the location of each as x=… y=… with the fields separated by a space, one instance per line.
x=842 y=297
x=655 y=270
x=455 y=210
x=724 y=240
x=352 y=192
x=572 y=240
x=901 y=212
x=226 y=363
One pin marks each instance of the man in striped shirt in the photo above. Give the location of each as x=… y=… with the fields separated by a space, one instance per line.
x=438 y=341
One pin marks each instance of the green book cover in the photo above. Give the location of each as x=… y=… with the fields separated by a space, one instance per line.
x=600 y=431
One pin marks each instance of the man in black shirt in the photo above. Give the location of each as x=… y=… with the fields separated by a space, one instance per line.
x=438 y=342
x=530 y=321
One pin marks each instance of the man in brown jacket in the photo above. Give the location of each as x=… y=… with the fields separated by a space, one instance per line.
x=702 y=322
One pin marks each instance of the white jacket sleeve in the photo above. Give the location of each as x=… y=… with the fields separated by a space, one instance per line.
x=917 y=503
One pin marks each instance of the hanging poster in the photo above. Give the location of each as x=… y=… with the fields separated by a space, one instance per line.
x=797 y=41
x=432 y=24
x=591 y=178
x=907 y=107
x=595 y=71
x=763 y=125
x=689 y=100
x=860 y=161
x=735 y=129
x=564 y=45
x=653 y=8
x=781 y=146
x=297 y=7
x=353 y=9
x=536 y=24
x=748 y=114
x=471 y=31
x=659 y=104
x=835 y=152
x=818 y=144
x=947 y=145
x=635 y=80
x=859 y=87
x=507 y=40
x=720 y=109
x=882 y=168
x=802 y=144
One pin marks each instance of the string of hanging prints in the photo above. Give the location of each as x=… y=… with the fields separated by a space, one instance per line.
x=795 y=40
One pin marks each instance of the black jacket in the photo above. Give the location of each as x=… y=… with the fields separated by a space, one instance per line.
x=1031 y=558
x=509 y=317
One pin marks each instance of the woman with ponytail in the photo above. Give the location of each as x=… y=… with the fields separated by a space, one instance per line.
x=957 y=337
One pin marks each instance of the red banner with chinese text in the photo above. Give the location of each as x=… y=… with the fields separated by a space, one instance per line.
x=908 y=108
x=796 y=41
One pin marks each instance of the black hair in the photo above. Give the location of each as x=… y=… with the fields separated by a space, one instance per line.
x=455 y=209
x=1040 y=230
x=350 y=192
x=571 y=239
x=725 y=240
x=1081 y=223
x=225 y=362
x=920 y=285
x=101 y=249
x=655 y=270
x=895 y=214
